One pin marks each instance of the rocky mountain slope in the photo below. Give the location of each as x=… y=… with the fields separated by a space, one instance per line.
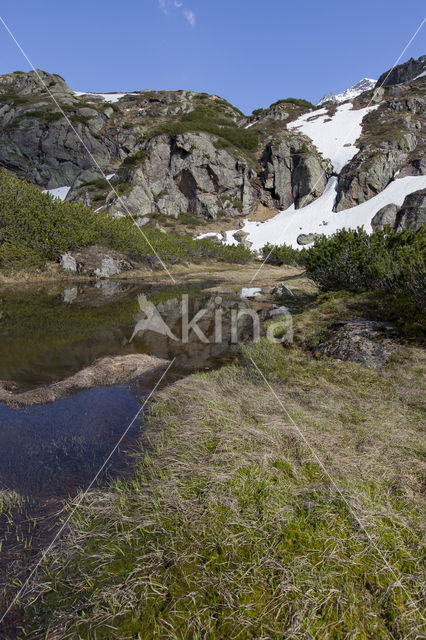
x=184 y=156
x=349 y=94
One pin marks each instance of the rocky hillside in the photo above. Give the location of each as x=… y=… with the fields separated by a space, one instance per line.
x=181 y=155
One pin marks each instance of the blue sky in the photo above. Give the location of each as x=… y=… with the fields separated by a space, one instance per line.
x=251 y=53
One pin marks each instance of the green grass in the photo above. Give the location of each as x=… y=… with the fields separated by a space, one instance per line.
x=212 y=119
x=37 y=228
x=232 y=527
x=298 y=102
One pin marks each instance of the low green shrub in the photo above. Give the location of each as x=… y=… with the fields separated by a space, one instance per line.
x=136 y=158
x=36 y=227
x=210 y=119
x=283 y=254
x=393 y=263
x=299 y=102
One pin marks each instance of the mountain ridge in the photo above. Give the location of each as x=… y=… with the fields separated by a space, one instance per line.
x=175 y=155
x=349 y=94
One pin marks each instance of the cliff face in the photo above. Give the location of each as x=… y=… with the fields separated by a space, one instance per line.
x=173 y=152
x=403 y=73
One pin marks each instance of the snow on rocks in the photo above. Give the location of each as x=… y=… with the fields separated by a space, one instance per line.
x=319 y=217
x=59 y=192
x=333 y=136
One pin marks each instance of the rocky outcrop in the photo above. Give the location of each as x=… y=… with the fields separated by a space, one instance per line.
x=363 y=341
x=202 y=172
x=386 y=216
x=188 y=173
x=402 y=72
x=104 y=372
x=371 y=170
x=96 y=261
x=411 y=215
x=294 y=172
x=38 y=143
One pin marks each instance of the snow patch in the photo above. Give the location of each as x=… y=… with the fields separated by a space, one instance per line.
x=421 y=75
x=319 y=217
x=107 y=97
x=111 y=175
x=59 y=192
x=210 y=236
x=334 y=137
x=250 y=292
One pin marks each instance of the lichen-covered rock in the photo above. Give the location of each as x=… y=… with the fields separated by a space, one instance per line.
x=294 y=172
x=363 y=341
x=241 y=238
x=282 y=291
x=68 y=262
x=96 y=261
x=411 y=215
x=371 y=170
x=385 y=216
x=189 y=174
x=306 y=238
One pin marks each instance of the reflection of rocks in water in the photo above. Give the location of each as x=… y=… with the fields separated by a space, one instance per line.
x=108 y=287
x=222 y=324
x=43 y=341
x=69 y=295
x=103 y=372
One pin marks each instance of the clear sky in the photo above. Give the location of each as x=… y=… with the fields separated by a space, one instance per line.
x=251 y=53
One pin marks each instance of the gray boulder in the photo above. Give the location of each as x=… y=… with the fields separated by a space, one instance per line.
x=306 y=238
x=294 y=172
x=68 y=262
x=241 y=238
x=363 y=341
x=412 y=214
x=371 y=170
x=282 y=291
x=385 y=216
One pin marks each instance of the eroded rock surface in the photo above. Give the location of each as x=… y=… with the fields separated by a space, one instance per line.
x=366 y=342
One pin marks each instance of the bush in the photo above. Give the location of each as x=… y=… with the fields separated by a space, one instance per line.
x=299 y=102
x=284 y=254
x=136 y=158
x=393 y=263
x=35 y=227
x=210 y=119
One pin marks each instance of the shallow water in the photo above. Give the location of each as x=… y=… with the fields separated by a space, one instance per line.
x=47 y=335
x=49 y=452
